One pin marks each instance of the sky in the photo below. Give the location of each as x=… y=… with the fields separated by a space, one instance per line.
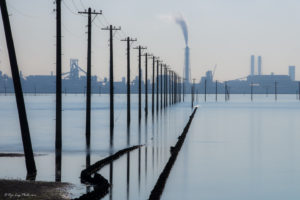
x=221 y=32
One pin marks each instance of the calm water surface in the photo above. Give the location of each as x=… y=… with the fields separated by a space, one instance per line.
x=234 y=150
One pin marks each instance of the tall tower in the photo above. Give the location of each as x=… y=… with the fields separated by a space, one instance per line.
x=252 y=65
x=259 y=65
x=187 y=65
x=292 y=72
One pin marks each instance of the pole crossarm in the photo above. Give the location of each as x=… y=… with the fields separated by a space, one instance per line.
x=92 y=12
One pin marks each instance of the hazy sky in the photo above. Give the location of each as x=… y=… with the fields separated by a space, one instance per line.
x=222 y=32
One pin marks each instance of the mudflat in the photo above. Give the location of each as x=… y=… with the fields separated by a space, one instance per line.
x=34 y=190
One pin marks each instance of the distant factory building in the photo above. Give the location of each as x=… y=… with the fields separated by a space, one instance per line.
x=292 y=72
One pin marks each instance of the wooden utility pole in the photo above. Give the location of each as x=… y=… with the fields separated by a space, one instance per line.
x=157 y=85
x=251 y=91
x=111 y=29
x=275 y=90
x=146 y=82
x=161 y=87
x=58 y=136
x=88 y=74
x=216 y=90
x=153 y=82
x=140 y=48
x=29 y=158
x=128 y=40
x=205 y=90
x=193 y=88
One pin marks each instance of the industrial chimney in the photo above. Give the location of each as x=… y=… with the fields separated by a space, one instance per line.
x=252 y=65
x=181 y=22
x=259 y=65
x=187 y=65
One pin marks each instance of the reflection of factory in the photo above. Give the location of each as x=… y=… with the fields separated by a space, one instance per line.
x=261 y=84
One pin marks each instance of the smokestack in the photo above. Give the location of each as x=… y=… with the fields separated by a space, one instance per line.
x=252 y=65
x=187 y=65
x=259 y=65
x=181 y=22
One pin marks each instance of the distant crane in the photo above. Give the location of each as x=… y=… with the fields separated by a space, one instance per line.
x=213 y=74
x=73 y=74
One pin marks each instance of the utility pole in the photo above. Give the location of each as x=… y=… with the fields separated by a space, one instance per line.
x=157 y=84
x=58 y=136
x=193 y=88
x=183 y=87
x=88 y=79
x=111 y=29
x=161 y=86
x=299 y=90
x=165 y=86
x=251 y=91
x=275 y=90
x=140 y=48
x=225 y=91
x=173 y=87
x=128 y=40
x=153 y=83
x=205 y=90
x=170 y=87
x=146 y=82
x=29 y=158
x=216 y=90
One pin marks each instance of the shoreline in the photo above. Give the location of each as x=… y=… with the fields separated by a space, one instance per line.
x=34 y=190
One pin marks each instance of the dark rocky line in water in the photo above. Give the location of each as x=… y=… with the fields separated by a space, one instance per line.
x=161 y=182
x=12 y=155
x=100 y=184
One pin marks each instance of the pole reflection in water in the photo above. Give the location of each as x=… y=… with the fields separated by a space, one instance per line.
x=153 y=143
x=146 y=148
x=111 y=165
x=87 y=164
x=58 y=166
x=128 y=165
x=139 y=159
x=111 y=173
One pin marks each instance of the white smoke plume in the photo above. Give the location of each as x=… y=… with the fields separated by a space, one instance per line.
x=178 y=19
x=182 y=23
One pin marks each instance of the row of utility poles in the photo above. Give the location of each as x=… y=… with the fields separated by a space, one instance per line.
x=169 y=82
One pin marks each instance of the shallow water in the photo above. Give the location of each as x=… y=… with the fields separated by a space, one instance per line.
x=132 y=176
x=240 y=150
x=234 y=150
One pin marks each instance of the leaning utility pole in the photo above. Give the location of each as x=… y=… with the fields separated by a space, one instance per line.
x=128 y=40
x=88 y=74
x=140 y=48
x=111 y=76
x=58 y=136
x=29 y=157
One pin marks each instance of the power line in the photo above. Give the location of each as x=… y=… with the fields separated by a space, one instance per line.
x=20 y=12
x=70 y=10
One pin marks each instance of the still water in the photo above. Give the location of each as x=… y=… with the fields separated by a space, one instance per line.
x=132 y=176
x=234 y=150
x=240 y=150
